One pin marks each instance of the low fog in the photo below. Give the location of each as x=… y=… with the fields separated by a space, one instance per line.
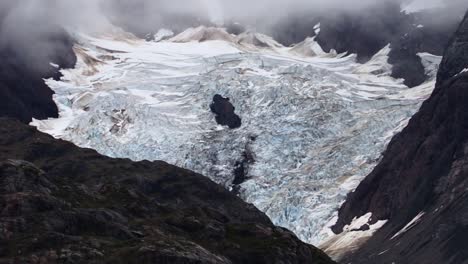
x=149 y=14
x=27 y=22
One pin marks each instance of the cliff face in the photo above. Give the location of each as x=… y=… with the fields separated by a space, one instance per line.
x=456 y=55
x=60 y=203
x=420 y=184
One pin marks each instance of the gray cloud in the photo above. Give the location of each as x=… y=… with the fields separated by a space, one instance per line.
x=91 y=14
x=27 y=21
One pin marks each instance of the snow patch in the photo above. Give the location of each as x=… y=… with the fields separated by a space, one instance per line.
x=431 y=63
x=317 y=28
x=163 y=34
x=410 y=225
x=352 y=237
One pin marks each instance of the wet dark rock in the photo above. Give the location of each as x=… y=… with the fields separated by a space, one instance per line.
x=424 y=171
x=239 y=173
x=224 y=112
x=63 y=204
x=242 y=166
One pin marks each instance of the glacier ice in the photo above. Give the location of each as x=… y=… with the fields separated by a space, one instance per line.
x=314 y=125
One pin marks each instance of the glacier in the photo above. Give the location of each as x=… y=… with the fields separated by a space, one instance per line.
x=313 y=123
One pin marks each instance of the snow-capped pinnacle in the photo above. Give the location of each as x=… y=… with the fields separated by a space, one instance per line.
x=163 y=34
x=251 y=38
x=202 y=33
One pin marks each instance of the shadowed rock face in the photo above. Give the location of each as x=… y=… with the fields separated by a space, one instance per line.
x=430 y=31
x=224 y=111
x=23 y=92
x=403 y=56
x=364 y=33
x=63 y=204
x=423 y=171
x=295 y=29
x=456 y=55
x=408 y=34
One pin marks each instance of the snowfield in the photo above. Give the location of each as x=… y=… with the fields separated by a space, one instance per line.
x=314 y=123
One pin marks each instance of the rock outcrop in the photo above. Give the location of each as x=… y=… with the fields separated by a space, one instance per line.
x=224 y=112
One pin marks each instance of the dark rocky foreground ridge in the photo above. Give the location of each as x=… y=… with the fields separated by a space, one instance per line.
x=424 y=172
x=63 y=204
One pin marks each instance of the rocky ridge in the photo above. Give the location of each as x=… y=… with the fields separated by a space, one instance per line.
x=420 y=185
x=63 y=204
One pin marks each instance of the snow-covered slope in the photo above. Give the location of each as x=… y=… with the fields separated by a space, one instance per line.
x=313 y=126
